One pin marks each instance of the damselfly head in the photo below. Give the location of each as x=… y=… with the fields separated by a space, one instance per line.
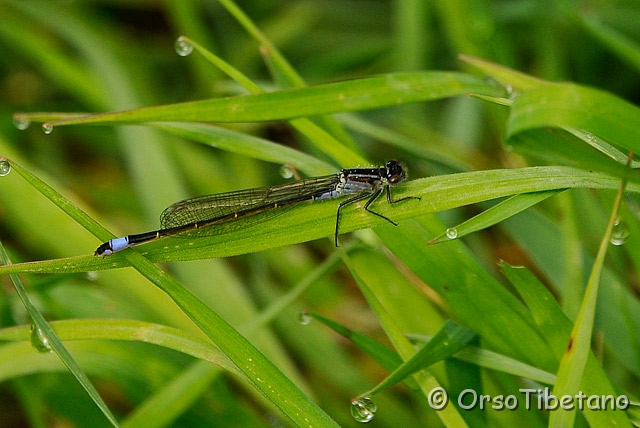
x=395 y=172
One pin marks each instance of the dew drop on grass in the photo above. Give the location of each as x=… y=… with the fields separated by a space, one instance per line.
x=620 y=232
x=286 y=171
x=92 y=275
x=363 y=409
x=21 y=123
x=47 y=129
x=39 y=341
x=512 y=93
x=452 y=233
x=183 y=47
x=5 y=168
x=304 y=318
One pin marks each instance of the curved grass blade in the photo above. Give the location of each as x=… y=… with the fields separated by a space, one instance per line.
x=557 y=146
x=599 y=119
x=129 y=330
x=567 y=105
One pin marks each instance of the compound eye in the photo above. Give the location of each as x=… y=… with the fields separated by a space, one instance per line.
x=395 y=172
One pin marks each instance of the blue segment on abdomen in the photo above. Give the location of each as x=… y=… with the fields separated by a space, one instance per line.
x=118 y=244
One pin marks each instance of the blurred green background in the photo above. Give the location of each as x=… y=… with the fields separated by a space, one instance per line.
x=93 y=56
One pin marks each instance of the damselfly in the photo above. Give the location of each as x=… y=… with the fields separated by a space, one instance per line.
x=213 y=214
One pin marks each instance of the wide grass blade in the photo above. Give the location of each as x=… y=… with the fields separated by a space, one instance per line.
x=317 y=220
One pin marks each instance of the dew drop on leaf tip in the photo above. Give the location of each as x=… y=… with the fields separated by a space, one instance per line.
x=21 y=123
x=304 y=318
x=183 y=47
x=363 y=409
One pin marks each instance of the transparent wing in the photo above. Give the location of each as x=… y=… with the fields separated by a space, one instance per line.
x=245 y=203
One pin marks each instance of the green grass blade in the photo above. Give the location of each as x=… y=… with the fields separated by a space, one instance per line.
x=247 y=145
x=129 y=330
x=507 y=77
x=425 y=380
x=170 y=402
x=471 y=293
x=574 y=360
x=446 y=342
x=386 y=357
x=325 y=141
x=317 y=220
x=557 y=327
x=626 y=48
x=498 y=362
x=256 y=368
x=494 y=215
x=572 y=106
x=353 y=95
x=49 y=341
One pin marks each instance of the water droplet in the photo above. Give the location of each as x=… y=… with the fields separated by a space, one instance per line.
x=92 y=275
x=512 y=93
x=452 y=233
x=620 y=232
x=304 y=318
x=47 y=129
x=286 y=171
x=5 y=168
x=363 y=409
x=39 y=341
x=183 y=47
x=21 y=123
